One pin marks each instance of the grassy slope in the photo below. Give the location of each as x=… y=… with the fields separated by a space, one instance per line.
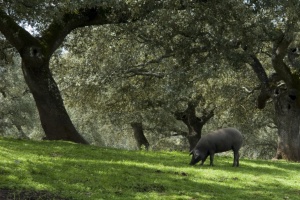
x=88 y=172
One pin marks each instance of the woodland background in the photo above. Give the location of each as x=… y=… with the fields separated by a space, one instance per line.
x=150 y=69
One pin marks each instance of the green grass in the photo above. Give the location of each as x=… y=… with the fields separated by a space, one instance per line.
x=87 y=172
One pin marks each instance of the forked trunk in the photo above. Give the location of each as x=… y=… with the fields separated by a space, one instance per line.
x=194 y=123
x=53 y=115
x=288 y=121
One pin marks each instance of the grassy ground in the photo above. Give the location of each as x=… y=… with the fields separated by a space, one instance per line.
x=62 y=170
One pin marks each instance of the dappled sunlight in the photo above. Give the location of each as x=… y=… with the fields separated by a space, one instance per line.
x=89 y=172
x=112 y=76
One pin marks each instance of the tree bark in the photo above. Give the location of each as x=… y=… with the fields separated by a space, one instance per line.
x=139 y=135
x=287 y=101
x=287 y=119
x=53 y=115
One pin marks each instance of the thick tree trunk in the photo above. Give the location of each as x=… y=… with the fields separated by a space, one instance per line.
x=53 y=115
x=139 y=135
x=36 y=53
x=288 y=121
x=193 y=123
x=286 y=98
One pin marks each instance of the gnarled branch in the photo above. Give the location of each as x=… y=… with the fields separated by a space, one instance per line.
x=280 y=49
x=260 y=72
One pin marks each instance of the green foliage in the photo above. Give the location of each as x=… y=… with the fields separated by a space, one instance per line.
x=18 y=115
x=88 y=172
x=102 y=76
x=145 y=70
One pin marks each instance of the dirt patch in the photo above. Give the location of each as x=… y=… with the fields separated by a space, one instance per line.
x=9 y=194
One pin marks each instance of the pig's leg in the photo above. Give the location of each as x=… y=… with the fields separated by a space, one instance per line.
x=211 y=156
x=236 y=157
x=203 y=160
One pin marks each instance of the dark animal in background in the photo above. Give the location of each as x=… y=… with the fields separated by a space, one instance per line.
x=221 y=140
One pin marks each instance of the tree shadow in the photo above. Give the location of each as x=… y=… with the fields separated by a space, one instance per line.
x=91 y=172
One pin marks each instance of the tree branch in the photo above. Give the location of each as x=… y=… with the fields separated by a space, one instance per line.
x=139 y=70
x=280 y=48
x=207 y=115
x=250 y=91
x=14 y=33
x=106 y=13
x=259 y=71
x=179 y=133
x=265 y=91
x=109 y=12
x=142 y=72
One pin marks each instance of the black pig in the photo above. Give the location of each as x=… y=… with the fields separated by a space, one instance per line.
x=217 y=141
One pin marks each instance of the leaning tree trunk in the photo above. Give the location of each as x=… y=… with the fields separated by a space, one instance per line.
x=288 y=121
x=53 y=115
x=37 y=50
x=139 y=135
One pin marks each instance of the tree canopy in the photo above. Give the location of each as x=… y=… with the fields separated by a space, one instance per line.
x=143 y=61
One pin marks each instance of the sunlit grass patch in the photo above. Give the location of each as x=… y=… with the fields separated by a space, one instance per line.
x=73 y=171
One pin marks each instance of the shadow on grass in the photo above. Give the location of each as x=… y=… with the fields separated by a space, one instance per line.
x=88 y=172
x=10 y=194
